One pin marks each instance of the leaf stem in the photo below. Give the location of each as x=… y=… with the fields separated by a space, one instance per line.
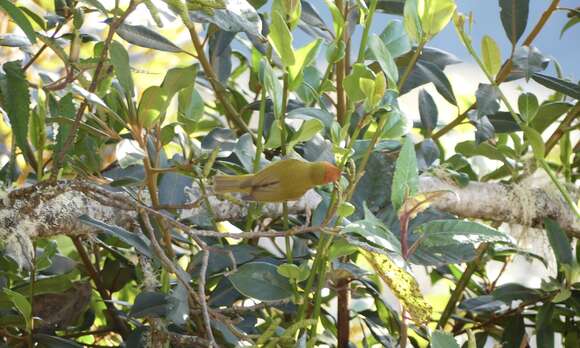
x=461 y=285
x=365 y=36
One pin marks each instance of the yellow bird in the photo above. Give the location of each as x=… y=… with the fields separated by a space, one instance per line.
x=285 y=180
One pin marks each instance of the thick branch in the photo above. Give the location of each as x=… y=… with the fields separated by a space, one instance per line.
x=50 y=209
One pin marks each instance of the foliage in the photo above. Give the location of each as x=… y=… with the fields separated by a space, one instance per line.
x=79 y=106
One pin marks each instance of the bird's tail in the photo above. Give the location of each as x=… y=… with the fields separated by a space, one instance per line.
x=236 y=183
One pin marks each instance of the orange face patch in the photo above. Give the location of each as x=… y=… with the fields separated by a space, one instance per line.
x=331 y=173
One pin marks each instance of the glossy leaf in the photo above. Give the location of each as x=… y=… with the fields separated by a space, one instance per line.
x=568 y=88
x=514 y=18
x=260 y=280
x=455 y=232
x=427 y=111
x=425 y=72
x=503 y=122
x=406 y=178
x=527 y=61
x=487 y=97
x=142 y=36
x=395 y=38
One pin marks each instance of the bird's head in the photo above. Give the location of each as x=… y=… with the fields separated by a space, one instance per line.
x=331 y=173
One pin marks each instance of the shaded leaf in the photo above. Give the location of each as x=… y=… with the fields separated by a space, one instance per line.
x=139 y=242
x=234 y=16
x=559 y=242
x=144 y=37
x=406 y=178
x=151 y=304
x=514 y=18
x=120 y=60
x=503 y=122
x=260 y=280
x=568 y=88
x=427 y=111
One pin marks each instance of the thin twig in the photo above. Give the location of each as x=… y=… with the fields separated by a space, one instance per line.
x=203 y=300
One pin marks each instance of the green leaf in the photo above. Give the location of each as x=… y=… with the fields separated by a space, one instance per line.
x=304 y=57
x=548 y=113
x=441 y=339
x=120 y=60
x=571 y=22
x=406 y=178
x=411 y=20
x=503 y=122
x=307 y=130
x=528 y=106
x=66 y=108
x=17 y=103
x=559 y=242
x=152 y=106
x=383 y=56
x=514 y=17
x=491 y=55
x=374 y=232
x=352 y=81
x=179 y=78
x=437 y=233
x=395 y=38
x=535 y=140
x=21 y=303
x=436 y=14
x=544 y=327
x=20 y=19
x=260 y=280
x=291 y=271
x=568 y=88
x=281 y=39
x=270 y=81
x=469 y=149
x=141 y=243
